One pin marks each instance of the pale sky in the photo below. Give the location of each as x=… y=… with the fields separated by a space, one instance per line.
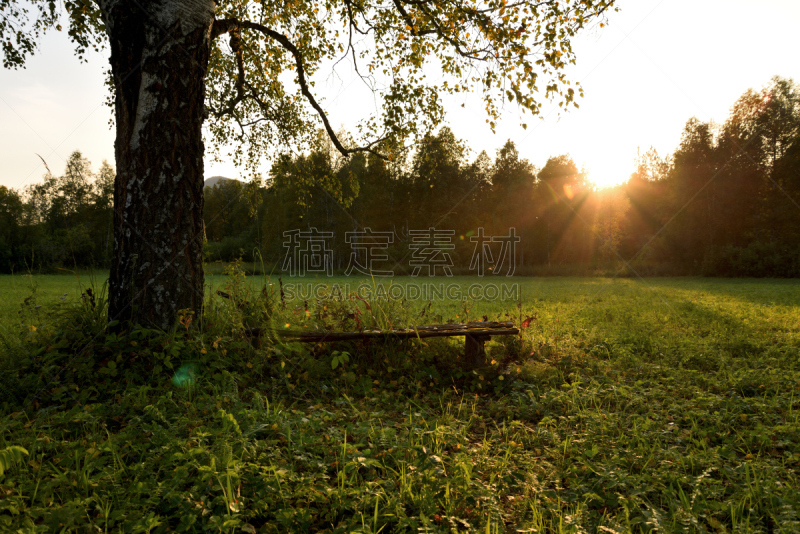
x=658 y=63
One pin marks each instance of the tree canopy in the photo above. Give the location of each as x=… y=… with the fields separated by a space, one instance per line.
x=260 y=80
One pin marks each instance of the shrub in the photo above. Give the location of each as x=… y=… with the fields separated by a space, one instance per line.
x=229 y=249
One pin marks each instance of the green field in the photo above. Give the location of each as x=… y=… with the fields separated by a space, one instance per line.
x=669 y=309
x=665 y=404
x=673 y=301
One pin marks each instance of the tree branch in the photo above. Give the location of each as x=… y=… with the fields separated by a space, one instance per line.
x=236 y=46
x=409 y=21
x=222 y=26
x=230 y=25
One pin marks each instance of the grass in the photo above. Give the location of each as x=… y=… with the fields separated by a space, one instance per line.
x=665 y=405
x=45 y=289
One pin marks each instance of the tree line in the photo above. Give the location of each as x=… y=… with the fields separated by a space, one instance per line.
x=725 y=203
x=63 y=222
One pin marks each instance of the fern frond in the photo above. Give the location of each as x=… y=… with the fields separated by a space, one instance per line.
x=9 y=456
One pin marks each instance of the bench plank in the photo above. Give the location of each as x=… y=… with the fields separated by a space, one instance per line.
x=314 y=337
x=476 y=334
x=435 y=330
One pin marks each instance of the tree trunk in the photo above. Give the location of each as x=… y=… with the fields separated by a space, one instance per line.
x=159 y=57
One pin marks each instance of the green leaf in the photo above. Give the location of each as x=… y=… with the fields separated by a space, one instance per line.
x=11 y=455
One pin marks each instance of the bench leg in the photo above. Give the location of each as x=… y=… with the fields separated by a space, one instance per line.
x=475 y=352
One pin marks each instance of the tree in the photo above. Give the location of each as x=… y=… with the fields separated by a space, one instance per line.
x=693 y=195
x=171 y=70
x=10 y=215
x=609 y=223
x=104 y=203
x=513 y=181
x=562 y=189
x=645 y=191
x=436 y=184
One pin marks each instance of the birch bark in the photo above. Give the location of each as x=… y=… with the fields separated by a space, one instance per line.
x=159 y=58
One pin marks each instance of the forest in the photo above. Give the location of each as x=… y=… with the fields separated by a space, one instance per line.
x=725 y=203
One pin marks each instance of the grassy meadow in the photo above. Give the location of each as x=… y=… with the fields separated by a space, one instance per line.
x=655 y=405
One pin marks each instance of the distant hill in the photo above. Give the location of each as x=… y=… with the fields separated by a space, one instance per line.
x=214 y=180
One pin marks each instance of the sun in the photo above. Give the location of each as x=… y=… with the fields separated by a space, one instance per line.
x=607 y=173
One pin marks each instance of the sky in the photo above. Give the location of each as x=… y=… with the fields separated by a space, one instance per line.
x=657 y=64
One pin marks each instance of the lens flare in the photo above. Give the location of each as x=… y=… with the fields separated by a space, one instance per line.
x=186 y=375
x=568 y=191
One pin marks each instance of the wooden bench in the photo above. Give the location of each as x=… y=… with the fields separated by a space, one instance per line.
x=476 y=334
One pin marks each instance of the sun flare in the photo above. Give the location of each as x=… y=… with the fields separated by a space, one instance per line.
x=607 y=174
